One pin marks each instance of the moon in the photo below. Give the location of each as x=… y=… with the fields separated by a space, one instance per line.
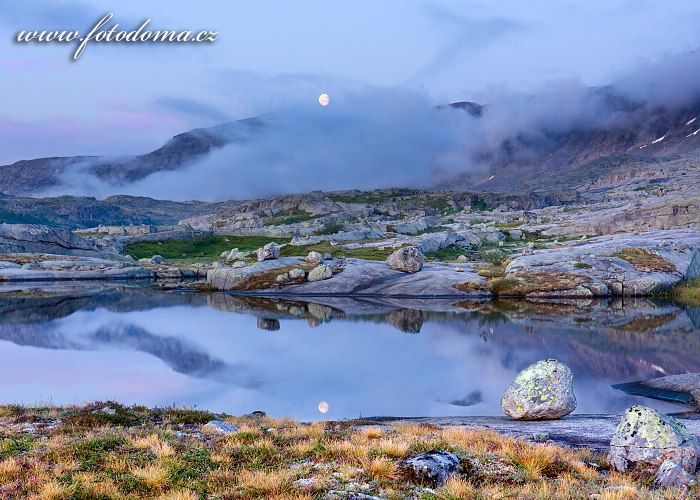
x=324 y=99
x=323 y=407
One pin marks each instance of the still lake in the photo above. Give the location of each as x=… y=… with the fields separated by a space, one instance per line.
x=363 y=357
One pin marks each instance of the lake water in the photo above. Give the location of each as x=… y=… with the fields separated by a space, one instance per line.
x=365 y=357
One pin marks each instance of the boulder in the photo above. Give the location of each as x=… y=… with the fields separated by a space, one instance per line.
x=297 y=273
x=431 y=468
x=406 y=259
x=319 y=273
x=219 y=427
x=672 y=475
x=542 y=391
x=157 y=259
x=432 y=242
x=462 y=258
x=314 y=257
x=270 y=251
x=282 y=278
x=645 y=438
x=416 y=226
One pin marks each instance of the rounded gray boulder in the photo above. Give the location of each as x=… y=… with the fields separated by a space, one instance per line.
x=542 y=391
x=406 y=259
x=319 y=273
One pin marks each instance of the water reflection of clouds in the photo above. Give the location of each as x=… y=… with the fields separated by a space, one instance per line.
x=359 y=368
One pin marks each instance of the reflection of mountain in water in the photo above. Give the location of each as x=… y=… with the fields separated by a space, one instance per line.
x=177 y=354
x=614 y=339
x=23 y=307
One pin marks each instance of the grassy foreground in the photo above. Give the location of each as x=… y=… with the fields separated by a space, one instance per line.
x=688 y=293
x=105 y=450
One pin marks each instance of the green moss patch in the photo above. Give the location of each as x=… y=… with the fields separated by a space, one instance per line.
x=644 y=260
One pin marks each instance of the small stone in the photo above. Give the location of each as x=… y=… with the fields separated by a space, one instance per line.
x=319 y=273
x=459 y=269
x=431 y=468
x=462 y=258
x=527 y=251
x=314 y=258
x=219 y=427
x=297 y=273
x=672 y=475
x=328 y=256
x=282 y=278
x=540 y=437
x=306 y=483
x=157 y=259
x=239 y=263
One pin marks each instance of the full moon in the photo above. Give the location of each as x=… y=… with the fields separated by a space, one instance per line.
x=323 y=99
x=323 y=407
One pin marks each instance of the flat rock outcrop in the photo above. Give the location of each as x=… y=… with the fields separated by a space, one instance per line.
x=230 y=278
x=371 y=277
x=676 y=388
x=629 y=265
x=32 y=238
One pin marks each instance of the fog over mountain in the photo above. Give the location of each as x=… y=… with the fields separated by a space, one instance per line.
x=388 y=137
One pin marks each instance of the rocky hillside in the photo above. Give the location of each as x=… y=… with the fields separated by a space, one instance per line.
x=73 y=212
x=32 y=177
x=636 y=135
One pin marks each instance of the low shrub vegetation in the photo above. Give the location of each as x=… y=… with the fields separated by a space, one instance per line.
x=139 y=452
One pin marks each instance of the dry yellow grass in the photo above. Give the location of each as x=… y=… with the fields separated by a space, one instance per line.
x=370 y=433
x=395 y=448
x=9 y=468
x=153 y=443
x=458 y=487
x=179 y=495
x=53 y=490
x=381 y=469
x=153 y=476
x=134 y=457
x=260 y=482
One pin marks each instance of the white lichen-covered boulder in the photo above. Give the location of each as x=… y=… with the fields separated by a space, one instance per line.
x=406 y=259
x=431 y=468
x=219 y=427
x=314 y=257
x=542 y=391
x=270 y=251
x=319 y=273
x=645 y=438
